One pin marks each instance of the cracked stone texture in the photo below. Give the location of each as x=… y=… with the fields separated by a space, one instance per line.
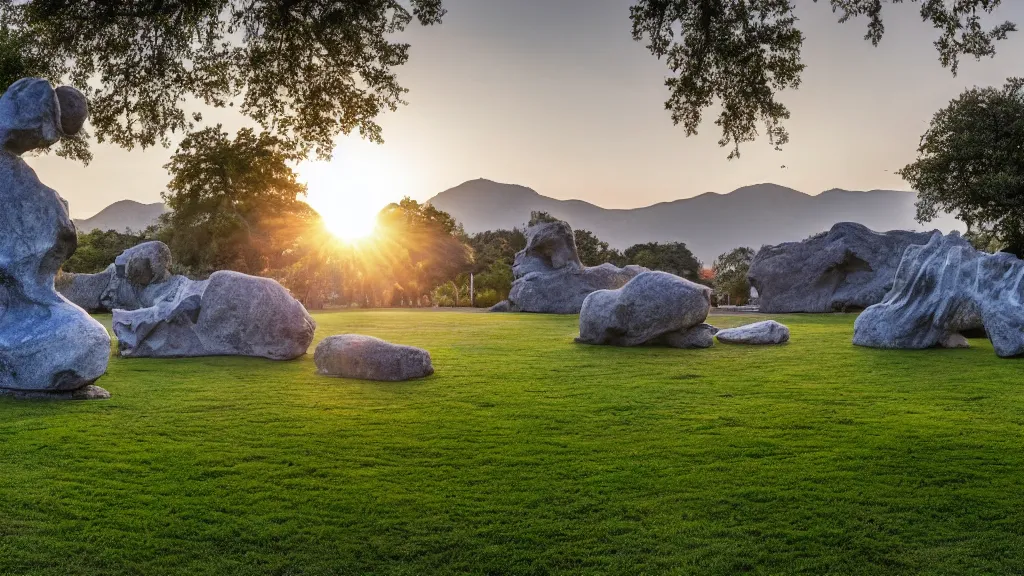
x=850 y=267
x=47 y=344
x=946 y=288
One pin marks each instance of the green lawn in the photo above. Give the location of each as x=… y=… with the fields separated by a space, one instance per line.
x=528 y=454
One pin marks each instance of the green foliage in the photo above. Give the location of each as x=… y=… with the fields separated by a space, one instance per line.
x=487 y=298
x=731 y=274
x=98 y=248
x=971 y=164
x=672 y=257
x=737 y=55
x=494 y=246
x=541 y=217
x=497 y=278
x=415 y=249
x=593 y=251
x=307 y=70
x=527 y=454
x=234 y=203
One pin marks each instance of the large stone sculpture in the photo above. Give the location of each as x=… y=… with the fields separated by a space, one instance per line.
x=549 y=277
x=231 y=314
x=369 y=358
x=139 y=278
x=653 y=308
x=48 y=346
x=850 y=267
x=942 y=289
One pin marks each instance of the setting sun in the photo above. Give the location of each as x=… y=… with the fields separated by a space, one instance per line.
x=353 y=187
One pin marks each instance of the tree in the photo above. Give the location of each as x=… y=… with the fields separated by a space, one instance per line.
x=971 y=163
x=234 y=202
x=739 y=54
x=307 y=70
x=730 y=274
x=423 y=246
x=672 y=257
x=593 y=252
x=97 y=249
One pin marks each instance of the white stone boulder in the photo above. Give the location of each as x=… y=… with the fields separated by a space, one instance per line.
x=549 y=277
x=766 y=332
x=231 y=314
x=369 y=358
x=48 y=346
x=653 y=308
x=946 y=288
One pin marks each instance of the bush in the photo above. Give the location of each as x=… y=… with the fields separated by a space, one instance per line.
x=487 y=298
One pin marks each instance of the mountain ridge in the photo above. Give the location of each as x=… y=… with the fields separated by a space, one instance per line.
x=122 y=215
x=710 y=223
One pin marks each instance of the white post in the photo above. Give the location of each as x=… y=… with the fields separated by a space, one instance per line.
x=472 y=293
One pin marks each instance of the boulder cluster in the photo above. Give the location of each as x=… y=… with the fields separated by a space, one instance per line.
x=549 y=277
x=658 y=308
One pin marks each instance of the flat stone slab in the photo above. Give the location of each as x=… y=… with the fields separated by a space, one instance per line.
x=368 y=358
x=766 y=332
x=89 y=392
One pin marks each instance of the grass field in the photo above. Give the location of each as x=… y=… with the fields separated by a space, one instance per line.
x=528 y=454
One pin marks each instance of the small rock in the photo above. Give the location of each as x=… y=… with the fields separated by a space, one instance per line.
x=767 y=332
x=502 y=306
x=369 y=358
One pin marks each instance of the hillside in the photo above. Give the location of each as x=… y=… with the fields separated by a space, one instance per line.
x=121 y=215
x=710 y=224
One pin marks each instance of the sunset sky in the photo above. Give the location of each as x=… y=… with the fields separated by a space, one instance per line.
x=555 y=95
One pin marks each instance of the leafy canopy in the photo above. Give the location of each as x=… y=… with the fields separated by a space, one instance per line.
x=307 y=70
x=730 y=274
x=741 y=53
x=234 y=202
x=971 y=163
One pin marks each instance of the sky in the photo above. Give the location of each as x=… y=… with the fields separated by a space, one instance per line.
x=555 y=95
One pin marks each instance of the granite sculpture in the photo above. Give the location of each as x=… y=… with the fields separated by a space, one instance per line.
x=49 y=348
x=549 y=277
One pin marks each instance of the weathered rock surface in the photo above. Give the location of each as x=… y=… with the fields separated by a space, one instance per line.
x=654 y=307
x=231 y=314
x=549 y=277
x=850 y=267
x=502 y=306
x=766 y=332
x=48 y=346
x=700 y=336
x=943 y=289
x=139 y=278
x=369 y=358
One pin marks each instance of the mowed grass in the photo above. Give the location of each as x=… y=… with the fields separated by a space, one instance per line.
x=528 y=454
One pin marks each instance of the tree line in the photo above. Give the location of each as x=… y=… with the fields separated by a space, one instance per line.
x=306 y=72
x=236 y=204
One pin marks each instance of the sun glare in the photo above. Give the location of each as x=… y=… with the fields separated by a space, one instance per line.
x=353 y=187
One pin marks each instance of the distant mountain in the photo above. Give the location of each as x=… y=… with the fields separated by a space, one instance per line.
x=710 y=224
x=121 y=215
